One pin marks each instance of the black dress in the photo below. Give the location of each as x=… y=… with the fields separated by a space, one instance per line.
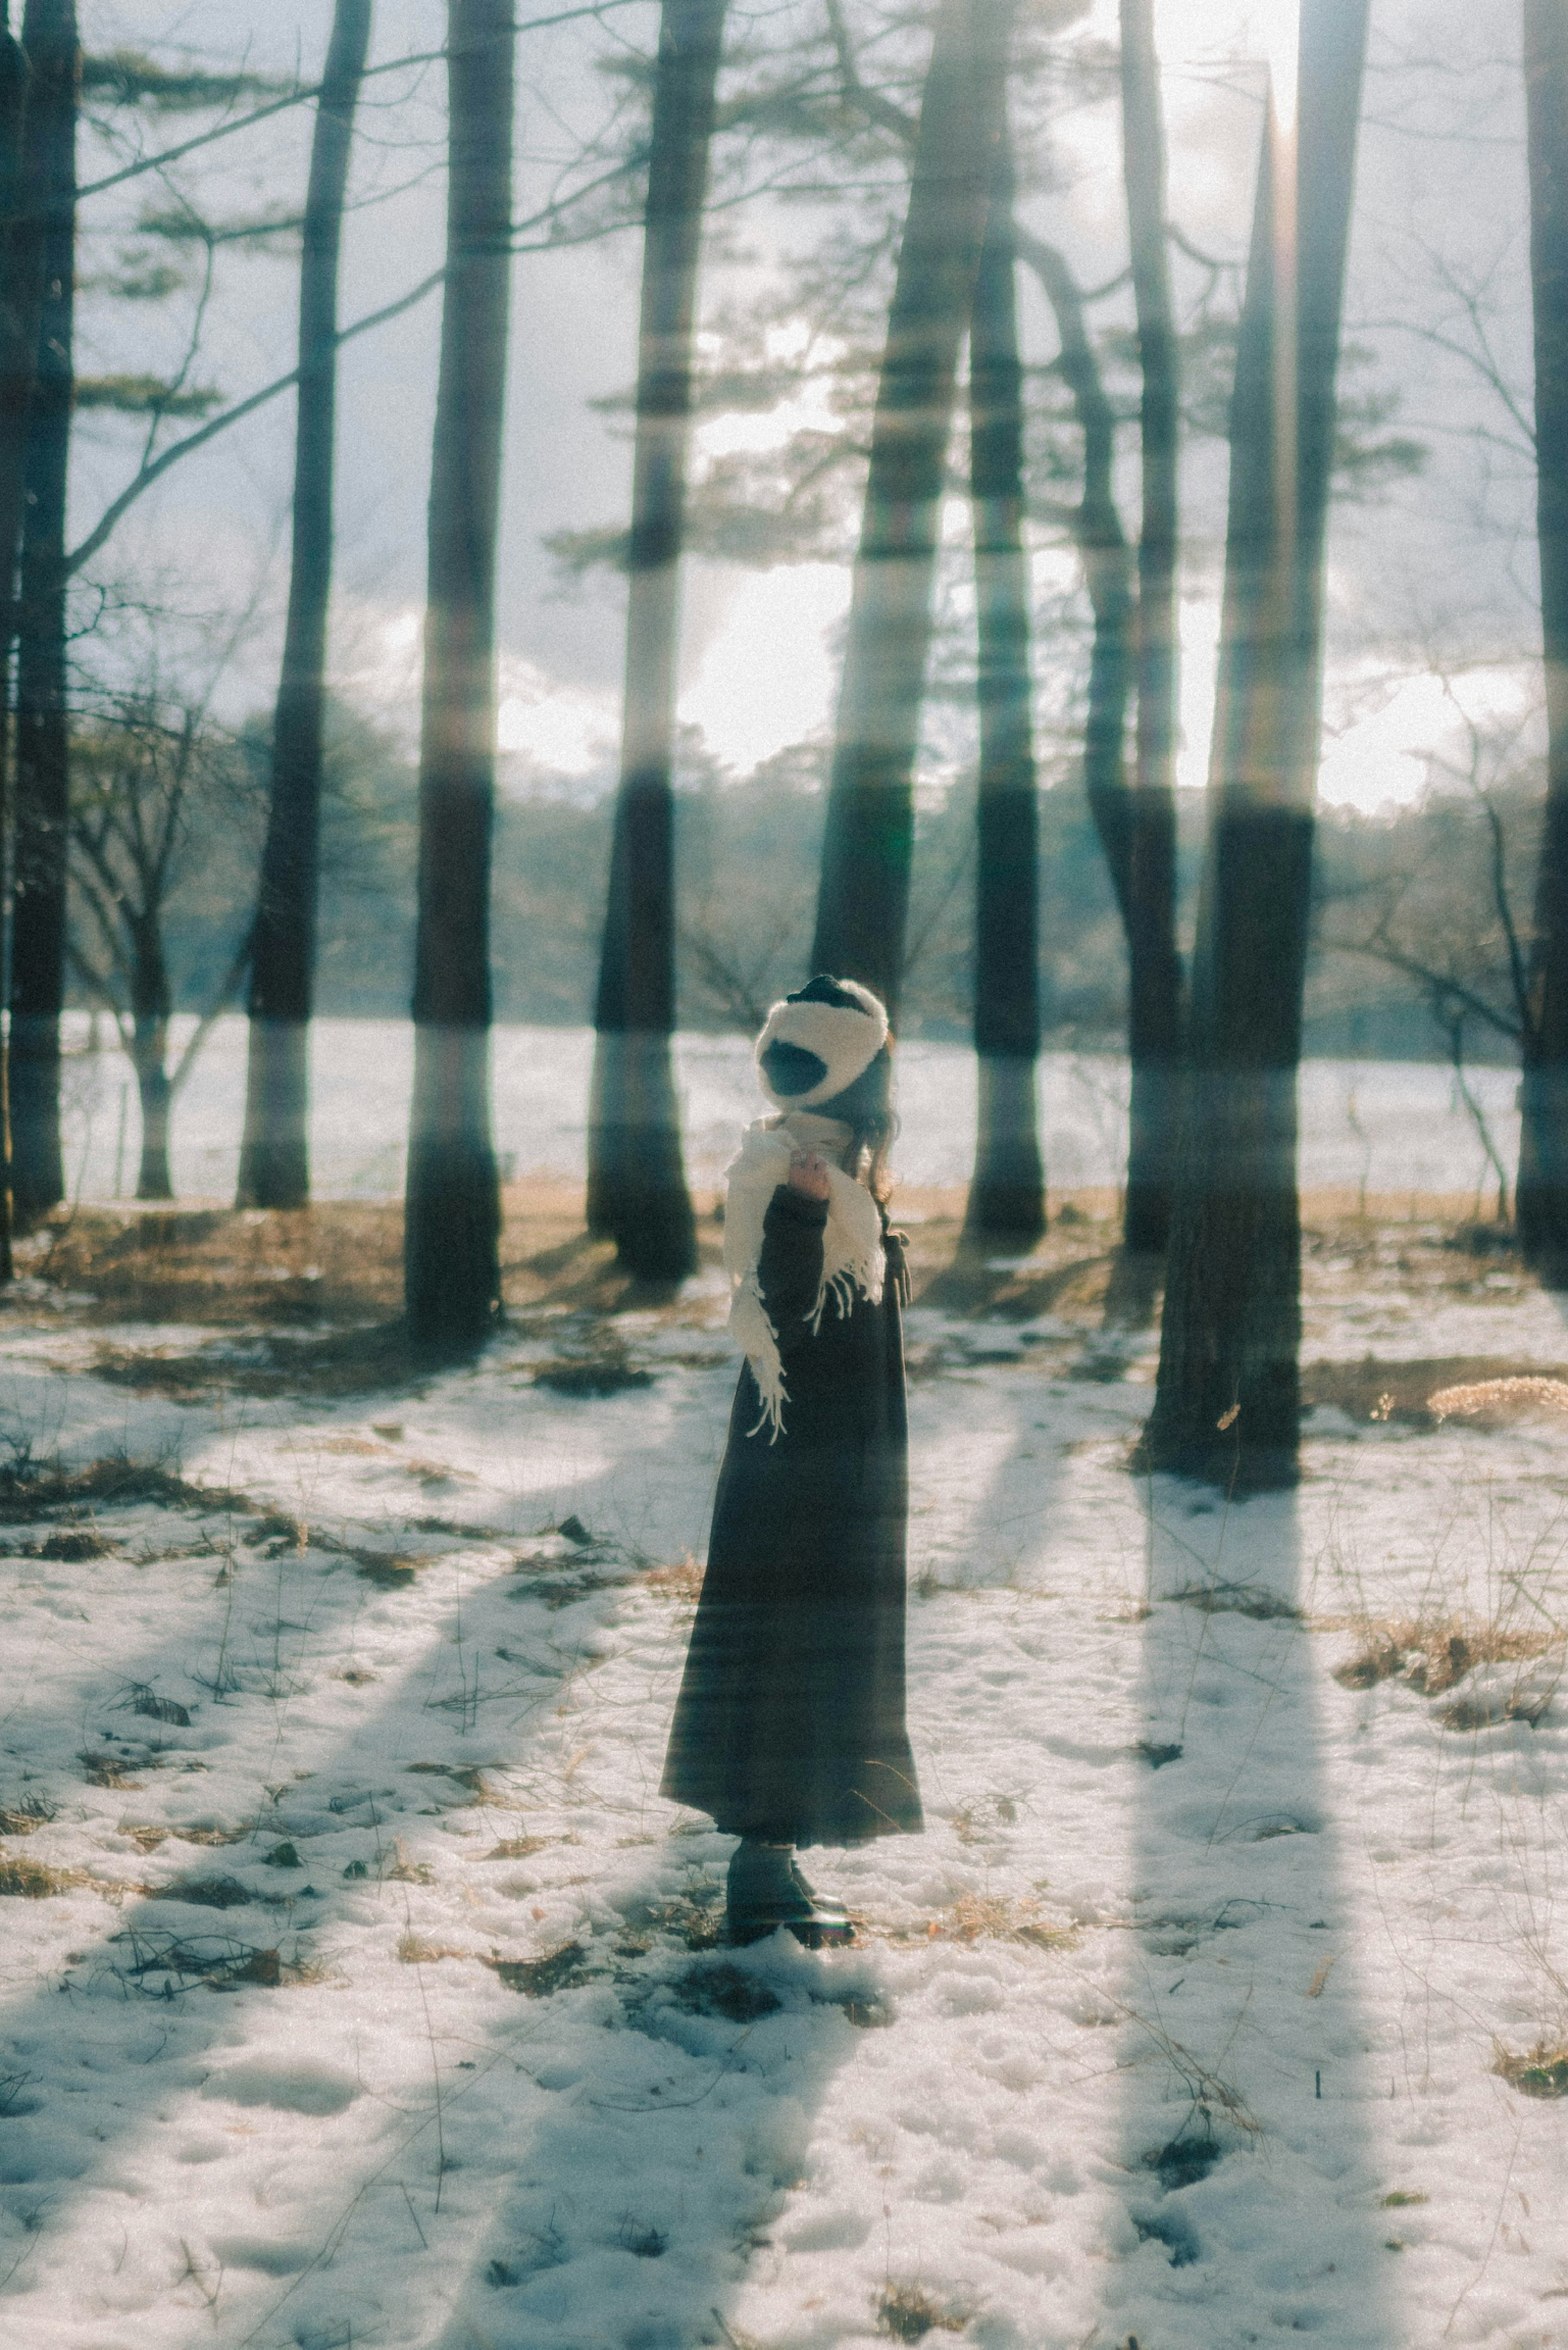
x=790 y=1722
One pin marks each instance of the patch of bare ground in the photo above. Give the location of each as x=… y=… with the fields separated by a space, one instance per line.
x=1517 y=1666
x=908 y=2313
x=1538 y=2072
x=1378 y=1390
x=682 y=1580
x=1434 y=1654
x=307 y=1303
x=989 y=1917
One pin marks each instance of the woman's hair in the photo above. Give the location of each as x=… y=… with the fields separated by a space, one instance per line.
x=867 y=1106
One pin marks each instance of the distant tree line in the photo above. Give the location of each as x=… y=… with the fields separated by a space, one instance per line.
x=1405 y=916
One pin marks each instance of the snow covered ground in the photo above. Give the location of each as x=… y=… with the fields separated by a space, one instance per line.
x=375 y=1999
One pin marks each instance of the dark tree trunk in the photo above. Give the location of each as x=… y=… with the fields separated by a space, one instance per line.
x=1154 y=973
x=1541 y=1198
x=43 y=749
x=1007 y=1196
x=21 y=302
x=274 y=1169
x=636 y=1182
x=1101 y=541
x=1227 y=1401
x=451 y=1267
x=863 y=904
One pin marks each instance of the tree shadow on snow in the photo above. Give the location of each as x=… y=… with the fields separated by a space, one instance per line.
x=1250 y=2147
x=153 y=2030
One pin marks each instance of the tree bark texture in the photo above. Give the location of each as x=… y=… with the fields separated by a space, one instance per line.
x=21 y=303
x=1541 y=1198
x=452 y=1205
x=274 y=1167
x=1154 y=967
x=42 y=721
x=636 y=1182
x=863 y=902
x=1228 y=1400
x=1007 y=1196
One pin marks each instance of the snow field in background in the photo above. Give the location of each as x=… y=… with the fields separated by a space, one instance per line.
x=1389 y=1126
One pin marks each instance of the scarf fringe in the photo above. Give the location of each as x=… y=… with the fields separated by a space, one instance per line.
x=853 y=1261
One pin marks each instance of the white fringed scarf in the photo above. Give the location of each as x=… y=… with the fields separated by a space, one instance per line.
x=852 y=1252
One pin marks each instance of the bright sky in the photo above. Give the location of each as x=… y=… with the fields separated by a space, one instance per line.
x=759 y=668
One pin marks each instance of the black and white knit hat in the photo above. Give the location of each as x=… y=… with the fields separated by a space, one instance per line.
x=818 y=1041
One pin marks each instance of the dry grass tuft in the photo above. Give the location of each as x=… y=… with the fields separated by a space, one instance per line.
x=415 y=1951
x=162 y=1965
x=31 y=1881
x=1432 y=1655
x=404 y=1870
x=1237 y=1599
x=22 y=1818
x=1498 y=1399
x=1541 y=2072
x=978 y=1823
x=683 y=1580
x=908 y=2313
x=207 y=1892
x=560 y=1970
x=990 y=1917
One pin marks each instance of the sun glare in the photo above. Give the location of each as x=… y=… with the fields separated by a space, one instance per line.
x=1280 y=25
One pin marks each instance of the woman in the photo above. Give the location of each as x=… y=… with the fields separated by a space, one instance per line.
x=789 y=1728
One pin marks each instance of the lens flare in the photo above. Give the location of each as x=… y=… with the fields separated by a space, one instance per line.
x=1280 y=24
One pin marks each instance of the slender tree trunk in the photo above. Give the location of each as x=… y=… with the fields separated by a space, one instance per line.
x=636 y=1182
x=21 y=303
x=43 y=750
x=1541 y=1197
x=451 y=1267
x=151 y=1006
x=868 y=841
x=1227 y=1401
x=1153 y=976
x=275 y=1170
x=1007 y=1196
x=155 y=1094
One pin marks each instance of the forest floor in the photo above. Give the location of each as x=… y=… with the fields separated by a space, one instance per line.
x=358 y=1988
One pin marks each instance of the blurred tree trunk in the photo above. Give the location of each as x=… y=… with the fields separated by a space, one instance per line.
x=863 y=902
x=274 y=1169
x=1007 y=1196
x=1541 y=1198
x=1227 y=1401
x=451 y=1268
x=21 y=303
x=636 y=1182
x=42 y=745
x=1154 y=975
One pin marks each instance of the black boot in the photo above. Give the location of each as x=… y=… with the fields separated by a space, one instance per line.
x=825 y=1906
x=766 y=1891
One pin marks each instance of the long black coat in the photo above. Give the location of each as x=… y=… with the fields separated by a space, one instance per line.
x=790 y=1722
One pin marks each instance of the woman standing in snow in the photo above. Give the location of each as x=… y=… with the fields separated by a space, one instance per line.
x=789 y=1728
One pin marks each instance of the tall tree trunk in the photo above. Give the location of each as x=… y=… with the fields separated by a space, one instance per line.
x=21 y=301
x=274 y=1167
x=636 y=1182
x=868 y=837
x=451 y=1267
x=1227 y=1401
x=43 y=748
x=1153 y=976
x=1541 y=1199
x=1007 y=1196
